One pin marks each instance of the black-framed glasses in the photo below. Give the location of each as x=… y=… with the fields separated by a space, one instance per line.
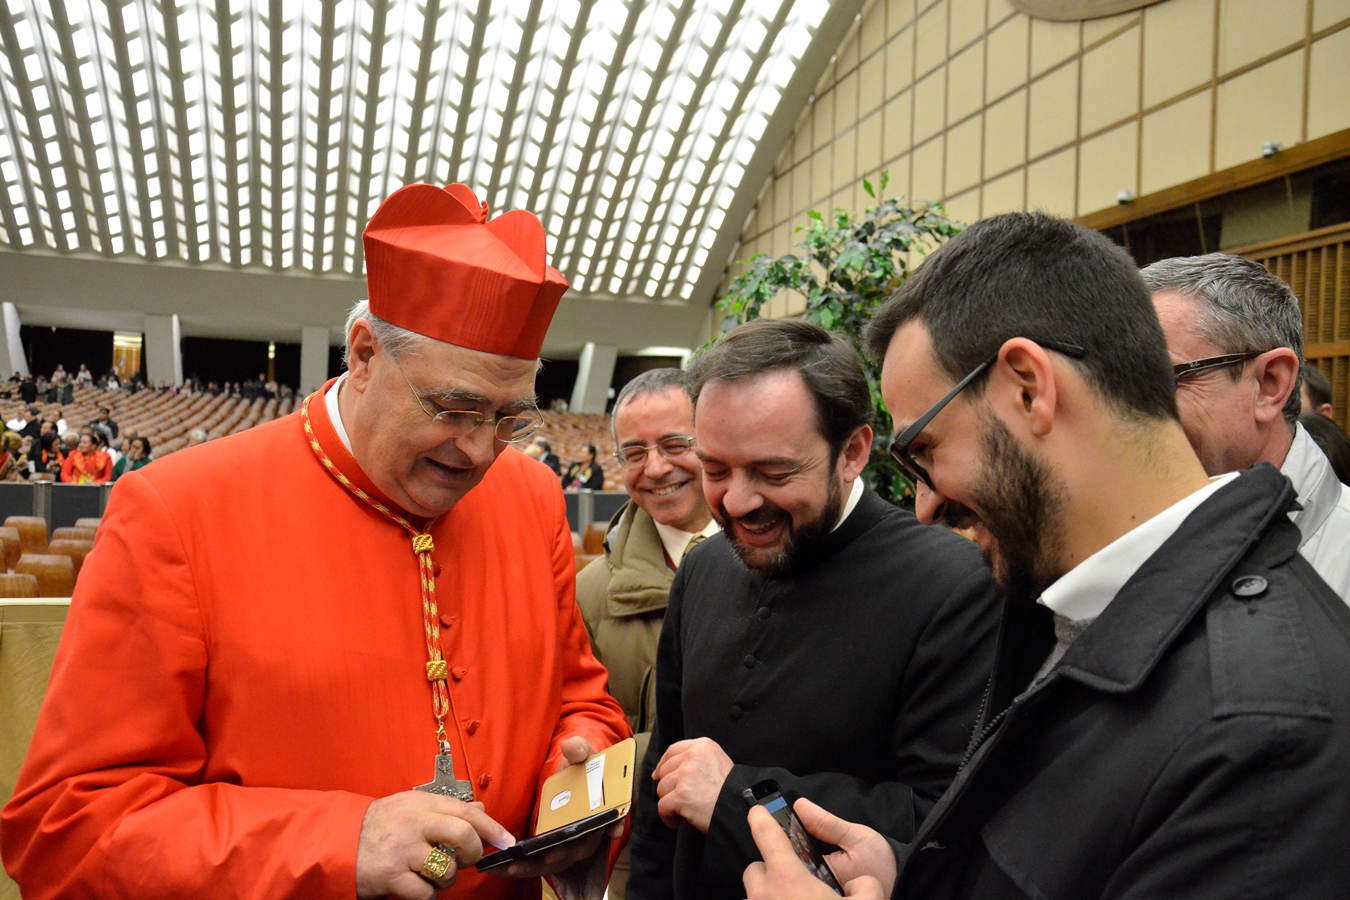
x=900 y=446
x=1195 y=366
x=677 y=446
x=459 y=423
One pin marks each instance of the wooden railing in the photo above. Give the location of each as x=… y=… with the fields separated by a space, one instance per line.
x=1317 y=266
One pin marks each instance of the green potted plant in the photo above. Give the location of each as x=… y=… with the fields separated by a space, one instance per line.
x=849 y=265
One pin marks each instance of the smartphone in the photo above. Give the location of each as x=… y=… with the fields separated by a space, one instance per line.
x=767 y=794
x=533 y=846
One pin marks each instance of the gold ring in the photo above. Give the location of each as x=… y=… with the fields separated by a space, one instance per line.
x=438 y=862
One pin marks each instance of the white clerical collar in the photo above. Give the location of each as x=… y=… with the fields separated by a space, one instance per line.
x=1087 y=589
x=676 y=541
x=330 y=402
x=854 y=495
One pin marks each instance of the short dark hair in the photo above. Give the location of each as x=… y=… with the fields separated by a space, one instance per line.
x=1036 y=276
x=827 y=362
x=145 y=442
x=1242 y=307
x=1319 y=388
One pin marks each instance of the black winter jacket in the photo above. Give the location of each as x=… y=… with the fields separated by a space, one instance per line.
x=1193 y=742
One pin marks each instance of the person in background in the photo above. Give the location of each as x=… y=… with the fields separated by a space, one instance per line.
x=586 y=474
x=623 y=596
x=87 y=464
x=197 y=436
x=548 y=457
x=28 y=389
x=32 y=422
x=13 y=462
x=137 y=456
x=104 y=423
x=58 y=376
x=1235 y=335
x=50 y=456
x=1331 y=440
x=62 y=426
x=83 y=376
x=1316 y=392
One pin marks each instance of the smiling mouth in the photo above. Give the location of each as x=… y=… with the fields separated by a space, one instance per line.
x=666 y=490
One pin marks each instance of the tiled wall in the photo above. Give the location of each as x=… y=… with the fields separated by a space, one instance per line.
x=979 y=106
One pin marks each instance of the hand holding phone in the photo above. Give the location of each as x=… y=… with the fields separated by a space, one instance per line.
x=767 y=794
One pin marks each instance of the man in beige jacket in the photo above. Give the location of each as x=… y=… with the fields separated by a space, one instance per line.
x=623 y=595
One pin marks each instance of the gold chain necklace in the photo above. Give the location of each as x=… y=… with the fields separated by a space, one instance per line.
x=437 y=670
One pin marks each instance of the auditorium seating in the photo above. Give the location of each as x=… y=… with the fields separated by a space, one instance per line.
x=88 y=523
x=55 y=574
x=72 y=534
x=32 y=532
x=569 y=433
x=18 y=585
x=75 y=549
x=13 y=544
x=164 y=418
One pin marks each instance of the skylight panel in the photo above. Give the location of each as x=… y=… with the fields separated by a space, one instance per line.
x=619 y=145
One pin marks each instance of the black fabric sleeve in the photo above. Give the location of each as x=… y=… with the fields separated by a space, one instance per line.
x=651 y=846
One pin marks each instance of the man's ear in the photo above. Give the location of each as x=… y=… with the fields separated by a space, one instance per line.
x=362 y=344
x=856 y=450
x=1275 y=371
x=1022 y=385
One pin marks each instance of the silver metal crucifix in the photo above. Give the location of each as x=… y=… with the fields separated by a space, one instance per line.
x=445 y=782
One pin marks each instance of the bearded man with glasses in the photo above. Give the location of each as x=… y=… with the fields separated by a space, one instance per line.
x=336 y=655
x=1235 y=334
x=623 y=596
x=1169 y=714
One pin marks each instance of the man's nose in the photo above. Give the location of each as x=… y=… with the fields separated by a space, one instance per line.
x=656 y=466
x=929 y=505
x=480 y=445
x=741 y=498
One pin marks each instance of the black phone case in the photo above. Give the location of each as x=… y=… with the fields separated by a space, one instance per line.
x=533 y=846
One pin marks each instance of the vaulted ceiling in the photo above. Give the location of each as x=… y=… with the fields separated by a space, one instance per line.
x=259 y=136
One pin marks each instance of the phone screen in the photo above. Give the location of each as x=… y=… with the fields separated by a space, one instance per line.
x=777 y=806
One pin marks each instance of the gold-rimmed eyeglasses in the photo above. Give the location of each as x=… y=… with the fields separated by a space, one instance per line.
x=677 y=446
x=459 y=423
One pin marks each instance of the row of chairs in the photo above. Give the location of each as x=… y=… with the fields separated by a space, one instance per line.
x=37 y=566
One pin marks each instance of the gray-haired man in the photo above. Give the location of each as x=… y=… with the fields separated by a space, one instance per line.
x=1235 y=335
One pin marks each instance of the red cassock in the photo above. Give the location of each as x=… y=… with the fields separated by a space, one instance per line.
x=244 y=669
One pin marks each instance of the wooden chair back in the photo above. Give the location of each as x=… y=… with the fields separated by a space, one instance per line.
x=76 y=550
x=55 y=574
x=75 y=533
x=89 y=522
x=32 y=532
x=18 y=585
x=13 y=547
x=594 y=540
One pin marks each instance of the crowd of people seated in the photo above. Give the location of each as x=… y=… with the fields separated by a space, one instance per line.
x=85 y=430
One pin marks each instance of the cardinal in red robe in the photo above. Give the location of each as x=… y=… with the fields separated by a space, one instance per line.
x=278 y=634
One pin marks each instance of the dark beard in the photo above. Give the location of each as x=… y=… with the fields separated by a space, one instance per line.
x=801 y=541
x=1021 y=506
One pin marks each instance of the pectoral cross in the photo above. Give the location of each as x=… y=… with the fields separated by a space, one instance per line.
x=445 y=782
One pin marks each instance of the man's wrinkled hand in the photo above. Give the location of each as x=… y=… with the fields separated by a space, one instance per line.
x=398 y=833
x=688 y=779
x=782 y=876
